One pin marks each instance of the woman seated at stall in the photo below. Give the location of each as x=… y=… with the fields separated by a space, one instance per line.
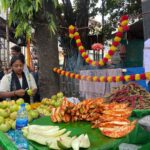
x=15 y=84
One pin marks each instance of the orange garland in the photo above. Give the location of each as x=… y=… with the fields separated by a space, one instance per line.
x=122 y=28
x=134 y=77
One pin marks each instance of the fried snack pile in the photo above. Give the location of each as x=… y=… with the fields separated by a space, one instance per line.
x=114 y=121
x=111 y=119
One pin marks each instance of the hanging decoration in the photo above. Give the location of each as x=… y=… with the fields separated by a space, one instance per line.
x=97 y=46
x=73 y=33
x=28 y=55
x=133 y=77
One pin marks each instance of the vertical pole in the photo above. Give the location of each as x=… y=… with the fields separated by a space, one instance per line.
x=4 y=56
x=103 y=22
x=146 y=18
x=28 y=54
x=7 y=37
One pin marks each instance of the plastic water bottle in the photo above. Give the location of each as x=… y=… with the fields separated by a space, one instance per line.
x=21 y=121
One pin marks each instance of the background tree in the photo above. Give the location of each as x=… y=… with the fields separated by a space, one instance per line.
x=77 y=14
x=38 y=16
x=113 y=9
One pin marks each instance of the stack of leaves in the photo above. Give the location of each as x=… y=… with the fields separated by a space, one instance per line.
x=132 y=93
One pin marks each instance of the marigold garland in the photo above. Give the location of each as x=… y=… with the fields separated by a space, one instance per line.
x=122 y=28
x=133 y=77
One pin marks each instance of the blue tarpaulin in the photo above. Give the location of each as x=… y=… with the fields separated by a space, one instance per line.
x=137 y=70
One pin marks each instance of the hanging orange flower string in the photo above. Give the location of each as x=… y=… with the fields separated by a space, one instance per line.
x=122 y=28
x=134 y=77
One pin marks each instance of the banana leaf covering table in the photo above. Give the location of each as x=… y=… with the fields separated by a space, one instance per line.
x=98 y=141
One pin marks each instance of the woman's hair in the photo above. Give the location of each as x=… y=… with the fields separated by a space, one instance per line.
x=15 y=58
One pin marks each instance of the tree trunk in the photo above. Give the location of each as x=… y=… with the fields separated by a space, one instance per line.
x=73 y=60
x=48 y=59
x=82 y=20
x=47 y=47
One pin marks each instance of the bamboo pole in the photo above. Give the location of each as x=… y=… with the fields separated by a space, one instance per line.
x=7 y=37
x=4 y=54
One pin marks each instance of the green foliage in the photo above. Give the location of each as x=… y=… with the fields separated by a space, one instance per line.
x=93 y=9
x=5 y=4
x=51 y=23
x=22 y=13
x=114 y=9
x=55 y=2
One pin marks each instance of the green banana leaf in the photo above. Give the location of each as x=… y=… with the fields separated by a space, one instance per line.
x=98 y=141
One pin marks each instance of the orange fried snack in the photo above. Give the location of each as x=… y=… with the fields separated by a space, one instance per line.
x=115 y=105
x=117 y=131
x=125 y=113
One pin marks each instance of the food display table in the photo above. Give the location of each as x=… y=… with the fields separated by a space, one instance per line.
x=98 y=141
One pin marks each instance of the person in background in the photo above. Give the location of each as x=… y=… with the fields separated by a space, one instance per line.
x=1 y=70
x=15 y=84
x=36 y=77
x=9 y=70
x=1 y=74
x=35 y=74
x=5 y=69
x=16 y=51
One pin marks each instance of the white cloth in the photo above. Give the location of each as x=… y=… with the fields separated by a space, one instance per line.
x=73 y=100
x=20 y=80
x=90 y=89
x=6 y=81
x=112 y=85
x=146 y=56
x=25 y=69
x=27 y=74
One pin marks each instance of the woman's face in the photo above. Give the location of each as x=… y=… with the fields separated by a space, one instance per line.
x=17 y=67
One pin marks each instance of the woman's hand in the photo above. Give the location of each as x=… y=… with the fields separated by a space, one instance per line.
x=20 y=92
x=31 y=92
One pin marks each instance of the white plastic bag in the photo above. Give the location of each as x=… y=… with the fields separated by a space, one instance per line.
x=74 y=100
x=125 y=146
